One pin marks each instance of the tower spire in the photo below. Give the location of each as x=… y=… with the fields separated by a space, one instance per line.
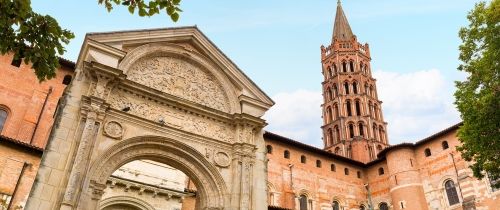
x=341 y=28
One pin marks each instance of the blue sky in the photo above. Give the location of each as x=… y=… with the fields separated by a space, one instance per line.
x=414 y=47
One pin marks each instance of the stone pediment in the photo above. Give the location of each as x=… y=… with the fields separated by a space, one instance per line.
x=181 y=62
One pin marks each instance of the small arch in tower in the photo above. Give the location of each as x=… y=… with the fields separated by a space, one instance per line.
x=348 y=108
x=361 y=129
x=346 y=88
x=358 y=108
x=344 y=66
x=351 y=65
x=351 y=130
x=355 y=87
x=318 y=163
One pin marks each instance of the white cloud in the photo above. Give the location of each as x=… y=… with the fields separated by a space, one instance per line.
x=297 y=115
x=415 y=105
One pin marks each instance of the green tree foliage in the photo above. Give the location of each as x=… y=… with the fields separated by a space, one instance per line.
x=149 y=8
x=478 y=97
x=38 y=39
x=35 y=38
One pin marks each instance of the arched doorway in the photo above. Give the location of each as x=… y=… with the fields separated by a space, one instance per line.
x=209 y=183
x=148 y=185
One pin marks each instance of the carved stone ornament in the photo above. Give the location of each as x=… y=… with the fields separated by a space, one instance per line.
x=176 y=76
x=222 y=159
x=172 y=117
x=113 y=129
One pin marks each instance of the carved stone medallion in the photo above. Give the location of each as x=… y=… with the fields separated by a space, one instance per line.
x=222 y=159
x=113 y=129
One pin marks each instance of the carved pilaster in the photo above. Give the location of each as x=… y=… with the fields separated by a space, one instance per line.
x=244 y=155
x=81 y=159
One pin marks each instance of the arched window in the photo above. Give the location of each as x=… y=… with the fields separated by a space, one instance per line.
x=328 y=114
x=361 y=129
x=328 y=94
x=303 y=159
x=371 y=91
x=286 y=154
x=337 y=133
x=335 y=68
x=351 y=130
x=318 y=163
x=366 y=89
x=336 y=205
x=381 y=133
x=344 y=66
x=335 y=91
x=375 y=113
x=333 y=167
x=383 y=206
x=370 y=108
x=361 y=66
x=67 y=80
x=358 y=109
x=355 y=88
x=380 y=171
x=330 y=136
x=427 y=152
x=445 y=145
x=336 y=111
x=358 y=173
x=451 y=192
x=337 y=150
x=351 y=66
x=346 y=171
x=348 y=108
x=346 y=88
x=3 y=118
x=303 y=202
x=375 y=136
x=269 y=149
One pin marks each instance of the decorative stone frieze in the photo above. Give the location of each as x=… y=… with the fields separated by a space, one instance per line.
x=175 y=75
x=171 y=116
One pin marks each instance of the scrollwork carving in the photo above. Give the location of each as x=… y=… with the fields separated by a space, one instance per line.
x=172 y=117
x=176 y=76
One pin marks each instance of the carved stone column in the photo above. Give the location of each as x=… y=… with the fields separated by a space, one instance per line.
x=81 y=161
x=93 y=107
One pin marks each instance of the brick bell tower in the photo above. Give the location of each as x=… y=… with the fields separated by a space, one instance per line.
x=353 y=126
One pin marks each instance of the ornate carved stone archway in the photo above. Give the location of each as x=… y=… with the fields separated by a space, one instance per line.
x=167 y=95
x=210 y=185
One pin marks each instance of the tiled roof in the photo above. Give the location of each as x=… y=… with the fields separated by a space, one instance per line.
x=272 y=136
x=381 y=155
x=8 y=140
x=67 y=63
